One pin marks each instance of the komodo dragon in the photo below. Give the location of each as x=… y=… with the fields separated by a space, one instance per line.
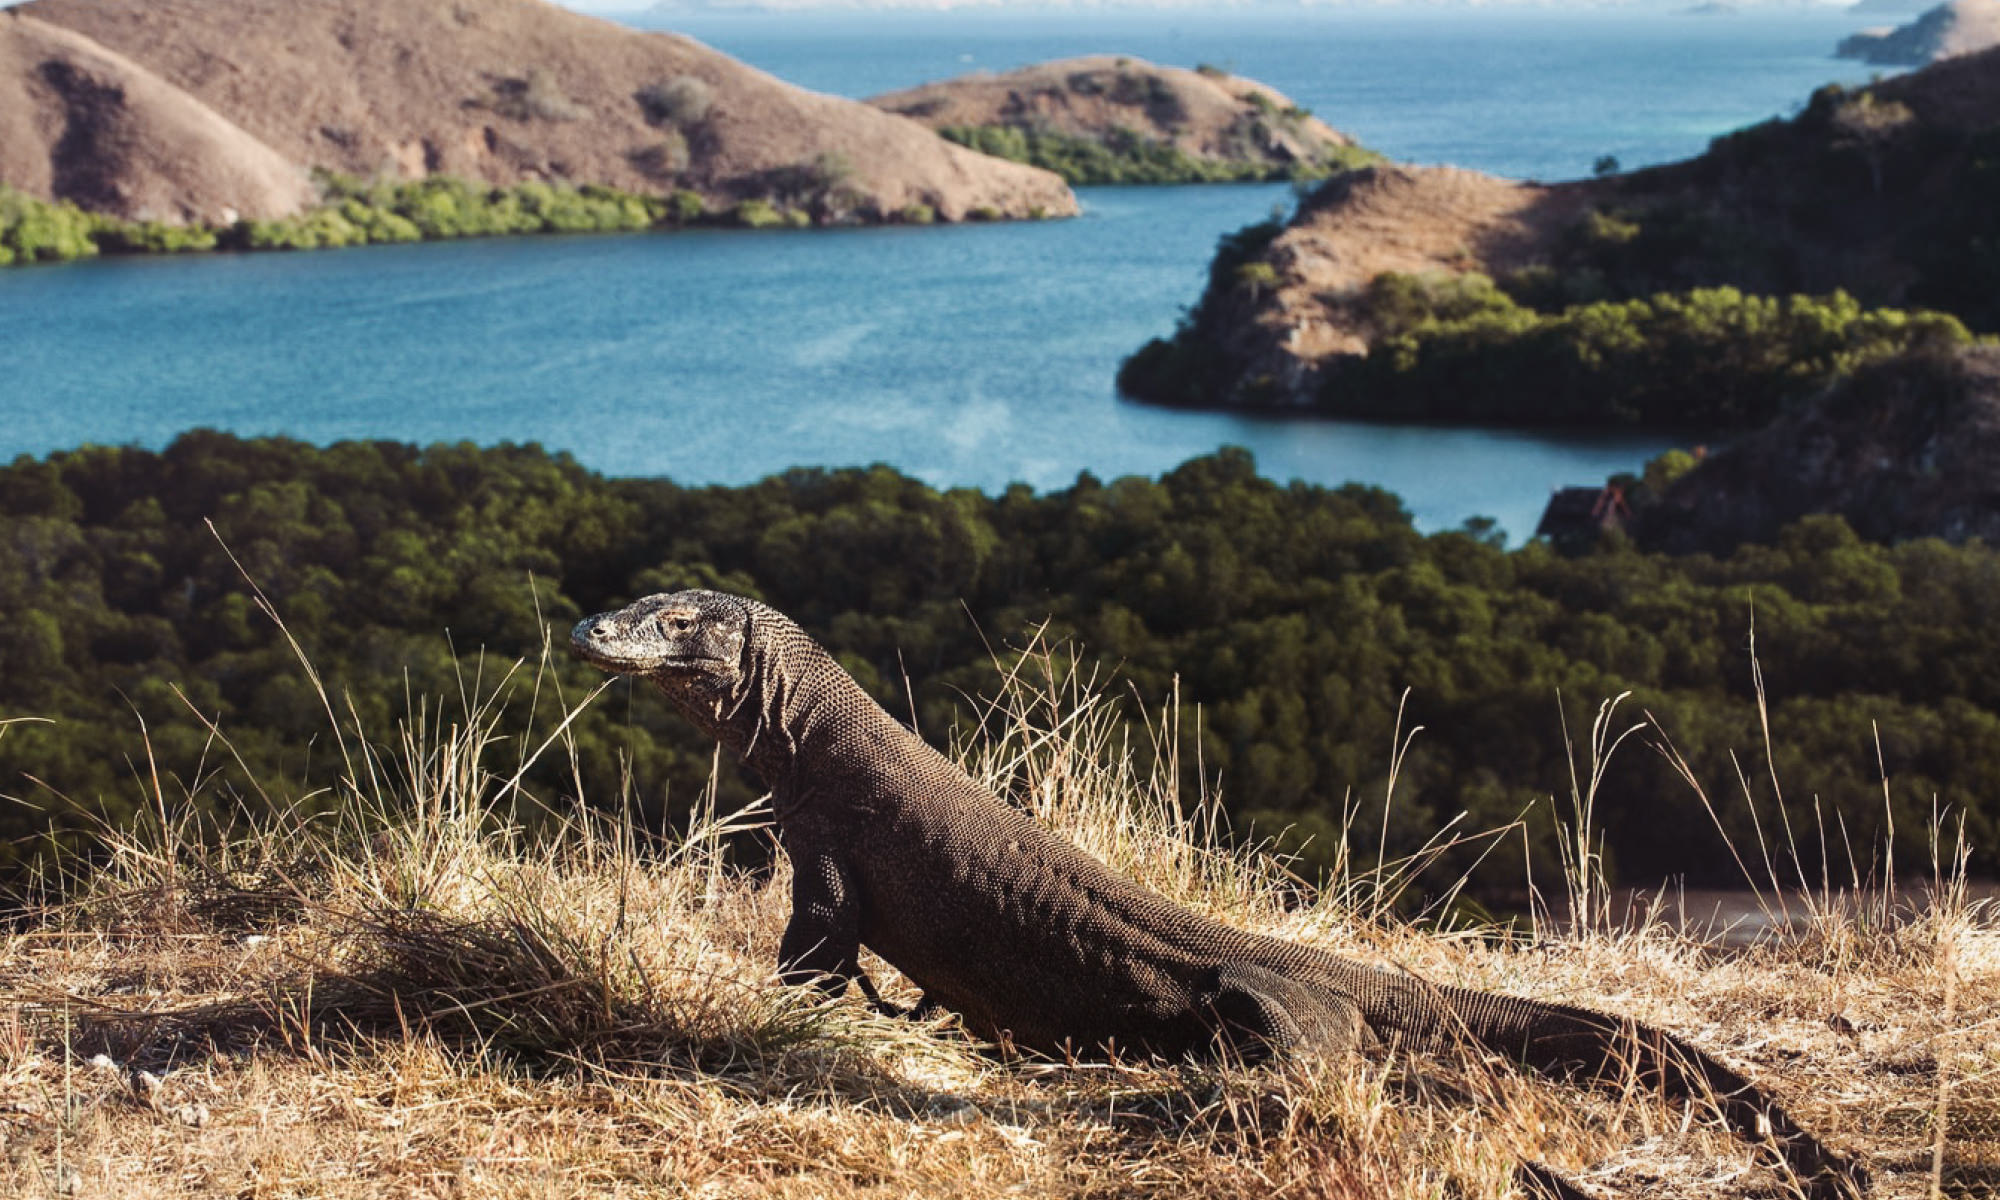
x=1035 y=943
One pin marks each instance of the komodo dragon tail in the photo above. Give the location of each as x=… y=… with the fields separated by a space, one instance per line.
x=1577 y=1042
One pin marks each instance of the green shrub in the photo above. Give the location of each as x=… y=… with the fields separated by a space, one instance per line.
x=1257 y=276
x=152 y=237
x=681 y=100
x=34 y=230
x=686 y=206
x=665 y=158
x=535 y=96
x=756 y=214
x=916 y=214
x=1459 y=349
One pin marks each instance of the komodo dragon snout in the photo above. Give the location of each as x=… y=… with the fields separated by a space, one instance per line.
x=686 y=641
x=1037 y=944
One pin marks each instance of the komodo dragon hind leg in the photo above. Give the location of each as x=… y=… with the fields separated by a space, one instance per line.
x=1258 y=1012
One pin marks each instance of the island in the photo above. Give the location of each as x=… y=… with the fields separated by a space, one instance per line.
x=1108 y=119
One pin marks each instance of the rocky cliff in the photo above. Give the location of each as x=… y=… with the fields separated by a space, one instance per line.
x=506 y=91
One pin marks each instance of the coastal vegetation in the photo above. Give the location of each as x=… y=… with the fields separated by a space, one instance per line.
x=1125 y=156
x=1460 y=348
x=357 y=213
x=1306 y=631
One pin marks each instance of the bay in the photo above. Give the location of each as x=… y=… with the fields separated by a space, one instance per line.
x=967 y=356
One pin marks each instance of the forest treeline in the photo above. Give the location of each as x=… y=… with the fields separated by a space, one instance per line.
x=1293 y=617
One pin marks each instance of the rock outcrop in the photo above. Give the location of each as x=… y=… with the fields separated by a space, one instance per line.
x=1208 y=114
x=1906 y=449
x=505 y=91
x=82 y=123
x=1950 y=30
x=1403 y=219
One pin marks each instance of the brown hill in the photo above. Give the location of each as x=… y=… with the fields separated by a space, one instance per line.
x=1907 y=449
x=1890 y=192
x=1207 y=114
x=82 y=123
x=505 y=91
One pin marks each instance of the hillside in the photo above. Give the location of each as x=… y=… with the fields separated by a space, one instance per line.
x=1105 y=119
x=504 y=92
x=82 y=123
x=1889 y=193
x=1947 y=31
x=1908 y=449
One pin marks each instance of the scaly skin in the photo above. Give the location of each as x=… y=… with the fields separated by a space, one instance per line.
x=1035 y=943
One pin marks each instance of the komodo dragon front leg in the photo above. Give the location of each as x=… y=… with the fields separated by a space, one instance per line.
x=1032 y=941
x=822 y=943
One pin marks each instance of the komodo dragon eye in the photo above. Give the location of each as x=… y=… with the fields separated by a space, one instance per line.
x=676 y=622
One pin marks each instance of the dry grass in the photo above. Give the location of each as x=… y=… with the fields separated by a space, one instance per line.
x=418 y=999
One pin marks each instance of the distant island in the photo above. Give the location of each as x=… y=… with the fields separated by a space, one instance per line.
x=124 y=122
x=1950 y=30
x=1106 y=119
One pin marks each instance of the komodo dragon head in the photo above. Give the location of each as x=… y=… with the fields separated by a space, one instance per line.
x=731 y=665
x=688 y=643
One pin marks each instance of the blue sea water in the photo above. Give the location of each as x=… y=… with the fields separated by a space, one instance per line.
x=1531 y=93
x=974 y=356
